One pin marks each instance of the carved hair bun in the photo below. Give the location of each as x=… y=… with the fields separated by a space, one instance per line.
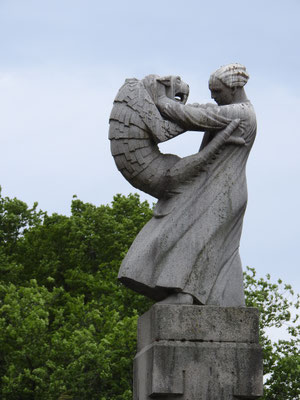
x=232 y=75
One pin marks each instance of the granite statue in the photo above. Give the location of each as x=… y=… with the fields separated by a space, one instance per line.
x=188 y=253
x=136 y=128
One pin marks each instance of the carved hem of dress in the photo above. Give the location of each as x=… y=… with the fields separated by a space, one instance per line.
x=156 y=293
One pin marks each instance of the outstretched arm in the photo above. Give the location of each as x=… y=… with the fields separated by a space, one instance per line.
x=193 y=118
x=188 y=167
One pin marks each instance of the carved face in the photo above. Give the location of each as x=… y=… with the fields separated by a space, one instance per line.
x=222 y=94
x=176 y=89
x=172 y=86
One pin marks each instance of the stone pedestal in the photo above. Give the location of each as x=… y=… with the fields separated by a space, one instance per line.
x=188 y=352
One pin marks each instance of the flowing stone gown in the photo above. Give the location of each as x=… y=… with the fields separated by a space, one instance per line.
x=191 y=244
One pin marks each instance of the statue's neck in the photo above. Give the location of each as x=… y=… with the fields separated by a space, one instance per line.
x=239 y=96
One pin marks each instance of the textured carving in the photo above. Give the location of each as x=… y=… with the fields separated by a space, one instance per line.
x=136 y=127
x=189 y=251
x=187 y=358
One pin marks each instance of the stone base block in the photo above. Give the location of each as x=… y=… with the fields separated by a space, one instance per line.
x=198 y=353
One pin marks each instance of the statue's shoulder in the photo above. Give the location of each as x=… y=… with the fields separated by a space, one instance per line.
x=243 y=111
x=128 y=90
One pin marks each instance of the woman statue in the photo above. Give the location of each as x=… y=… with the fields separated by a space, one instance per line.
x=189 y=251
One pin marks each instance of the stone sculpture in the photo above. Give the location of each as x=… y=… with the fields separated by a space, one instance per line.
x=189 y=251
x=188 y=352
x=136 y=127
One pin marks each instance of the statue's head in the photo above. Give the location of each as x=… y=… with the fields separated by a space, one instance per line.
x=172 y=86
x=226 y=82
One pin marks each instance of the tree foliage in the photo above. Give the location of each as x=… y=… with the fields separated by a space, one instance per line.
x=278 y=306
x=68 y=328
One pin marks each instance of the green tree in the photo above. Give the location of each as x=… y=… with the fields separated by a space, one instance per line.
x=53 y=343
x=278 y=306
x=68 y=328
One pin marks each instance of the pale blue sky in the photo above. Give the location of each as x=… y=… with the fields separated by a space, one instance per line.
x=62 y=63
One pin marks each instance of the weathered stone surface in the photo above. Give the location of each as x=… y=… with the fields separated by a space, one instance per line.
x=200 y=365
x=136 y=127
x=191 y=245
x=198 y=323
x=199 y=371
